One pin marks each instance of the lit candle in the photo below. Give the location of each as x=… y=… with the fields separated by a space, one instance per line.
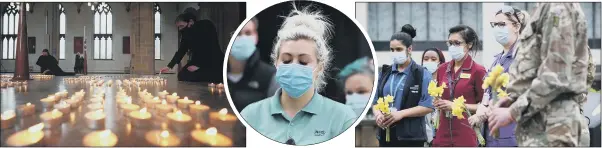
x=52 y=119
x=211 y=137
x=163 y=108
x=73 y=102
x=173 y=98
x=95 y=106
x=223 y=121
x=95 y=119
x=162 y=138
x=128 y=107
x=179 y=121
x=104 y=138
x=27 y=109
x=183 y=103
x=211 y=85
x=199 y=112
x=8 y=119
x=63 y=107
x=220 y=86
x=140 y=118
x=30 y=137
x=163 y=94
x=146 y=96
x=96 y=100
x=48 y=102
x=151 y=103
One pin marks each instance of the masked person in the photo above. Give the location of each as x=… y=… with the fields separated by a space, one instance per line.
x=198 y=39
x=463 y=77
x=407 y=82
x=431 y=59
x=79 y=63
x=548 y=80
x=296 y=114
x=358 y=78
x=50 y=66
x=249 y=78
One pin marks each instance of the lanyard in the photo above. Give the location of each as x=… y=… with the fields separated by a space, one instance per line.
x=397 y=86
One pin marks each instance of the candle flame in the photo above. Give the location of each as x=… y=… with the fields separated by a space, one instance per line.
x=28 y=104
x=129 y=100
x=143 y=110
x=100 y=111
x=185 y=98
x=163 y=101
x=179 y=113
x=144 y=90
x=164 y=91
x=211 y=131
x=36 y=128
x=156 y=98
x=174 y=94
x=223 y=111
x=164 y=134
x=7 y=113
x=197 y=102
x=105 y=133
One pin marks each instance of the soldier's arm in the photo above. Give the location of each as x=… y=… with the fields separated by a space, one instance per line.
x=555 y=72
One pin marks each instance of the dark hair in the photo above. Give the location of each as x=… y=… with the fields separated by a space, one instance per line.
x=436 y=50
x=255 y=21
x=406 y=35
x=45 y=50
x=516 y=17
x=186 y=17
x=469 y=35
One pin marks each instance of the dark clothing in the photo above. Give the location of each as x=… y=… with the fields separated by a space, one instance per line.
x=50 y=63
x=412 y=95
x=200 y=41
x=254 y=84
x=79 y=64
x=467 y=82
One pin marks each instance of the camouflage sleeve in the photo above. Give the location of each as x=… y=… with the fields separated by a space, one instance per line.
x=562 y=36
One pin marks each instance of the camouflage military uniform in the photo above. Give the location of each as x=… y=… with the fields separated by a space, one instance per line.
x=548 y=77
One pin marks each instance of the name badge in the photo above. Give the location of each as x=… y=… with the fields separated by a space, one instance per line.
x=465 y=76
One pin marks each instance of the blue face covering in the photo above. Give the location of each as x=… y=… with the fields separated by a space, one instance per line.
x=431 y=66
x=295 y=79
x=456 y=52
x=243 y=47
x=501 y=34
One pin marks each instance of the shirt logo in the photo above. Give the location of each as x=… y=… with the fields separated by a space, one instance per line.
x=319 y=133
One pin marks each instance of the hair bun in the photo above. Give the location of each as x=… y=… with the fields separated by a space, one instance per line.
x=308 y=19
x=409 y=29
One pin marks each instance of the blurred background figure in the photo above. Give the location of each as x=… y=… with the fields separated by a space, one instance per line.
x=358 y=79
x=79 y=63
x=49 y=65
x=200 y=41
x=249 y=78
x=431 y=59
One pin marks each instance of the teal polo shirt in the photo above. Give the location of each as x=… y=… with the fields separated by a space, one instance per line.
x=320 y=120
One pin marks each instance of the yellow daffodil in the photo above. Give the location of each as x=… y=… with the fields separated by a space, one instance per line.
x=497 y=70
x=435 y=91
x=458 y=107
x=388 y=99
x=501 y=93
x=503 y=80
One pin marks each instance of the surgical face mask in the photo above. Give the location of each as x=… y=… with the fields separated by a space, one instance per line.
x=294 y=78
x=501 y=34
x=243 y=47
x=399 y=57
x=431 y=66
x=357 y=102
x=456 y=52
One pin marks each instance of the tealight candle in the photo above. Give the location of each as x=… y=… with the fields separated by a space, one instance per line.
x=146 y=97
x=95 y=119
x=30 y=137
x=223 y=120
x=8 y=119
x=63 y=107
x=73 y=102
x=48 y=102
x=173 y=98
x=179 y=121
x=211 y=137
x=95 y=106
x=140 y=118
x=163 y=108
x=150 y=103
x=211 y=85
x=220 y=86
x=104 y=138
x=163 y=94
x=96 y=100
x=27 y=109
x=128 y=107
x=162 y=138
x=199 y=112
x=52 y=119
x=183 y=103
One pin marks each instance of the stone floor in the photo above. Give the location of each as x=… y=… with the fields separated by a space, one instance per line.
x=73 y=128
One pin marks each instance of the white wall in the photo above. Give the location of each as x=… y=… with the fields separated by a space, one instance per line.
x=121 y=27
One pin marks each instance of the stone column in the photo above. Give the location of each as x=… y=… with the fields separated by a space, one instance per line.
x=53 y=26
x=22 y=62
x=142 y=43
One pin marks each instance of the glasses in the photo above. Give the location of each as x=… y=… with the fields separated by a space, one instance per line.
x=511 y=11
x=498 y=24
x=290 y=141
x=454 y=43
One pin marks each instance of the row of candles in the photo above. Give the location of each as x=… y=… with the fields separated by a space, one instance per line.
x=98 y=81
x=42 y=77
x=6 y=84
x=178 y=121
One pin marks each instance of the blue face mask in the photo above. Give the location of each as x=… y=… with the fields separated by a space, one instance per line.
x=431 y=66
x=456 y=52
x=295 y=79
x=399 y=57
x=243 y=47
x=501 y=34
